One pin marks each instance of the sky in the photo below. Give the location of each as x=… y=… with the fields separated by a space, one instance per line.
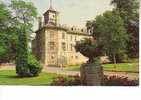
x=73 y=12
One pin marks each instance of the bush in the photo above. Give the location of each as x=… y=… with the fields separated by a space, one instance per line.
x=22 y=69
x=34 y=66
x=108 y=81
x=31 y=69
x=120 y=58
x=133 y=60
x=119 y=81
x=66 y=81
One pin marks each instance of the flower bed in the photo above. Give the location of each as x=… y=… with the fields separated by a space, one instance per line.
x=108 y=81
x=119 y=81
x=66 y=81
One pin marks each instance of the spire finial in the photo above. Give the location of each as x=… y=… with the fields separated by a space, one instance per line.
x=50 y=3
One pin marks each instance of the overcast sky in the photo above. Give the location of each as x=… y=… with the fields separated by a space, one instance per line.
x=73 y=12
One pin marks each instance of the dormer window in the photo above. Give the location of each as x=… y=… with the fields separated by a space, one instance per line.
x=72 y=29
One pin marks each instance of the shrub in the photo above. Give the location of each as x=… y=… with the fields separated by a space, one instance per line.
x=32 y=68
x=33 y=65
x=133 y=60
x=108 y=81
x=66 y=81
x=22 y=69
x=119 y=81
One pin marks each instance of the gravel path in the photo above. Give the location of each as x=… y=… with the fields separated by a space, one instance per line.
x=64 y=72
x=61 y=71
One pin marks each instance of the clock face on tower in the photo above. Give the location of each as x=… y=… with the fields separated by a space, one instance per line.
x=50 y=17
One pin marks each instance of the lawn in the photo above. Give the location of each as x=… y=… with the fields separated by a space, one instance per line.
x=8 y=77
x=125 y=67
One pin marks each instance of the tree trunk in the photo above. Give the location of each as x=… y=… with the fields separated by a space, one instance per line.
x=114 y=57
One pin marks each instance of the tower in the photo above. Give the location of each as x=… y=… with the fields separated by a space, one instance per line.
x=51 y=16
x=40 y=22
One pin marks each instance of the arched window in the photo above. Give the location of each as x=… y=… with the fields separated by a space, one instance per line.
x=63 y=46
x=51 y=45
x=63 y=35
x=71 y=47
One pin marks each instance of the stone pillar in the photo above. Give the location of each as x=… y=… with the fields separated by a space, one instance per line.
x=91 y=74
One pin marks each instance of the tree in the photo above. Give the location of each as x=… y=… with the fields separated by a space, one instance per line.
x=110 y=33
x=3 y=17
x=129 y=12
x=133 y=44
x=24 y=13
x=16 y=22
x=128 y=9
x=90 y=49
x=8 y=36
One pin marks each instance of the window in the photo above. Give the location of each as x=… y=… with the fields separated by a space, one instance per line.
x=64 y=46
x=72 y=29
x=51 y=35
x=63 y=35
x=71 y=47
x=76 y=57
x=52 y=57
x=71 y=37
x=51 y=45
x=72 y=57
x=75 y=38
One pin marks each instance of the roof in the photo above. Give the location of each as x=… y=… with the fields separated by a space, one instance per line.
x=68 y=30
x=51 y=9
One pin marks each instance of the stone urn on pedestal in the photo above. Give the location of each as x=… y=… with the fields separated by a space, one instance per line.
x=91 y=72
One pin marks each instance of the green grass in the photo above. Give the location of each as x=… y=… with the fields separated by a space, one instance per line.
x=125 y=67
x=8 y=77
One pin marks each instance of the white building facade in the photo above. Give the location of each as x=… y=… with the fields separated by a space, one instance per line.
x=54 y=43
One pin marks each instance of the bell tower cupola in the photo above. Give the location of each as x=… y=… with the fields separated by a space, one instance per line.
x=51 y=16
